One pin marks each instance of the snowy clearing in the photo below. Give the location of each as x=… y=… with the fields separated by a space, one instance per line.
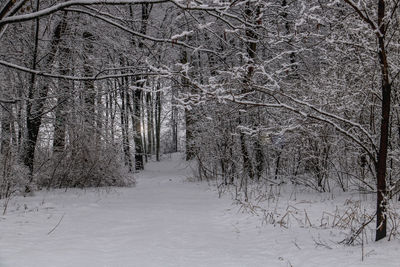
x=167 y=221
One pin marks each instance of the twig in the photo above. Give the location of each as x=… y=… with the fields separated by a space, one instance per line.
x=306 y=219
x=350 y=240
x=54 y=228
x=321 y=243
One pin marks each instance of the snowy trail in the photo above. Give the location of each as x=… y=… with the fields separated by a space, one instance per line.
x=163 y=221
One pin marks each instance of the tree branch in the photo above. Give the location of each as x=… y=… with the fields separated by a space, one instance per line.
x=61 y=6
x=141 y=35
x=96 y=77
x=365 y=18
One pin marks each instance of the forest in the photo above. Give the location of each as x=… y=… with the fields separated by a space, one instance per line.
x=258 y=94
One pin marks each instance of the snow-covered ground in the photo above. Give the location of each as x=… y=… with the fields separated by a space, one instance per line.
x=167 y=221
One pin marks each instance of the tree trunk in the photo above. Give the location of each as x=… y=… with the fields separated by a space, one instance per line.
x=251 y=47
x=260 y=161
x=137 y=96
x=189 y=116
x=190 y=149
x=89 y=96
x=6 y=125
x=174 y=123
x=158 y=123
x=125 y=124
x=143 y=133
x=62 y=100
x=99 y=115
x=149 y=104
x=37 y=96
x=381 y=220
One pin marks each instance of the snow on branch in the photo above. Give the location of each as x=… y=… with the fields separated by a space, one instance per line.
x=96 y=77
x=332 y=116
x=141 y=35
x=305 y=114
x=181 y=35
x=61 y=6
x=311 y=112
x=363 y=16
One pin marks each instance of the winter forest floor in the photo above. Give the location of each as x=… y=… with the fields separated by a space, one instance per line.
x=165 y=220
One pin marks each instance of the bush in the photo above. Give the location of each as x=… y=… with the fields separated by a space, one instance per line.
x=13 y=176
x=84 y=164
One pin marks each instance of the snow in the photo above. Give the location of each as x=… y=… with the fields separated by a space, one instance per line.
x=167 y=220
x=182 y=34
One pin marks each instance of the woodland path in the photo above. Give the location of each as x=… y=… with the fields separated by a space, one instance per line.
x=164 y=221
